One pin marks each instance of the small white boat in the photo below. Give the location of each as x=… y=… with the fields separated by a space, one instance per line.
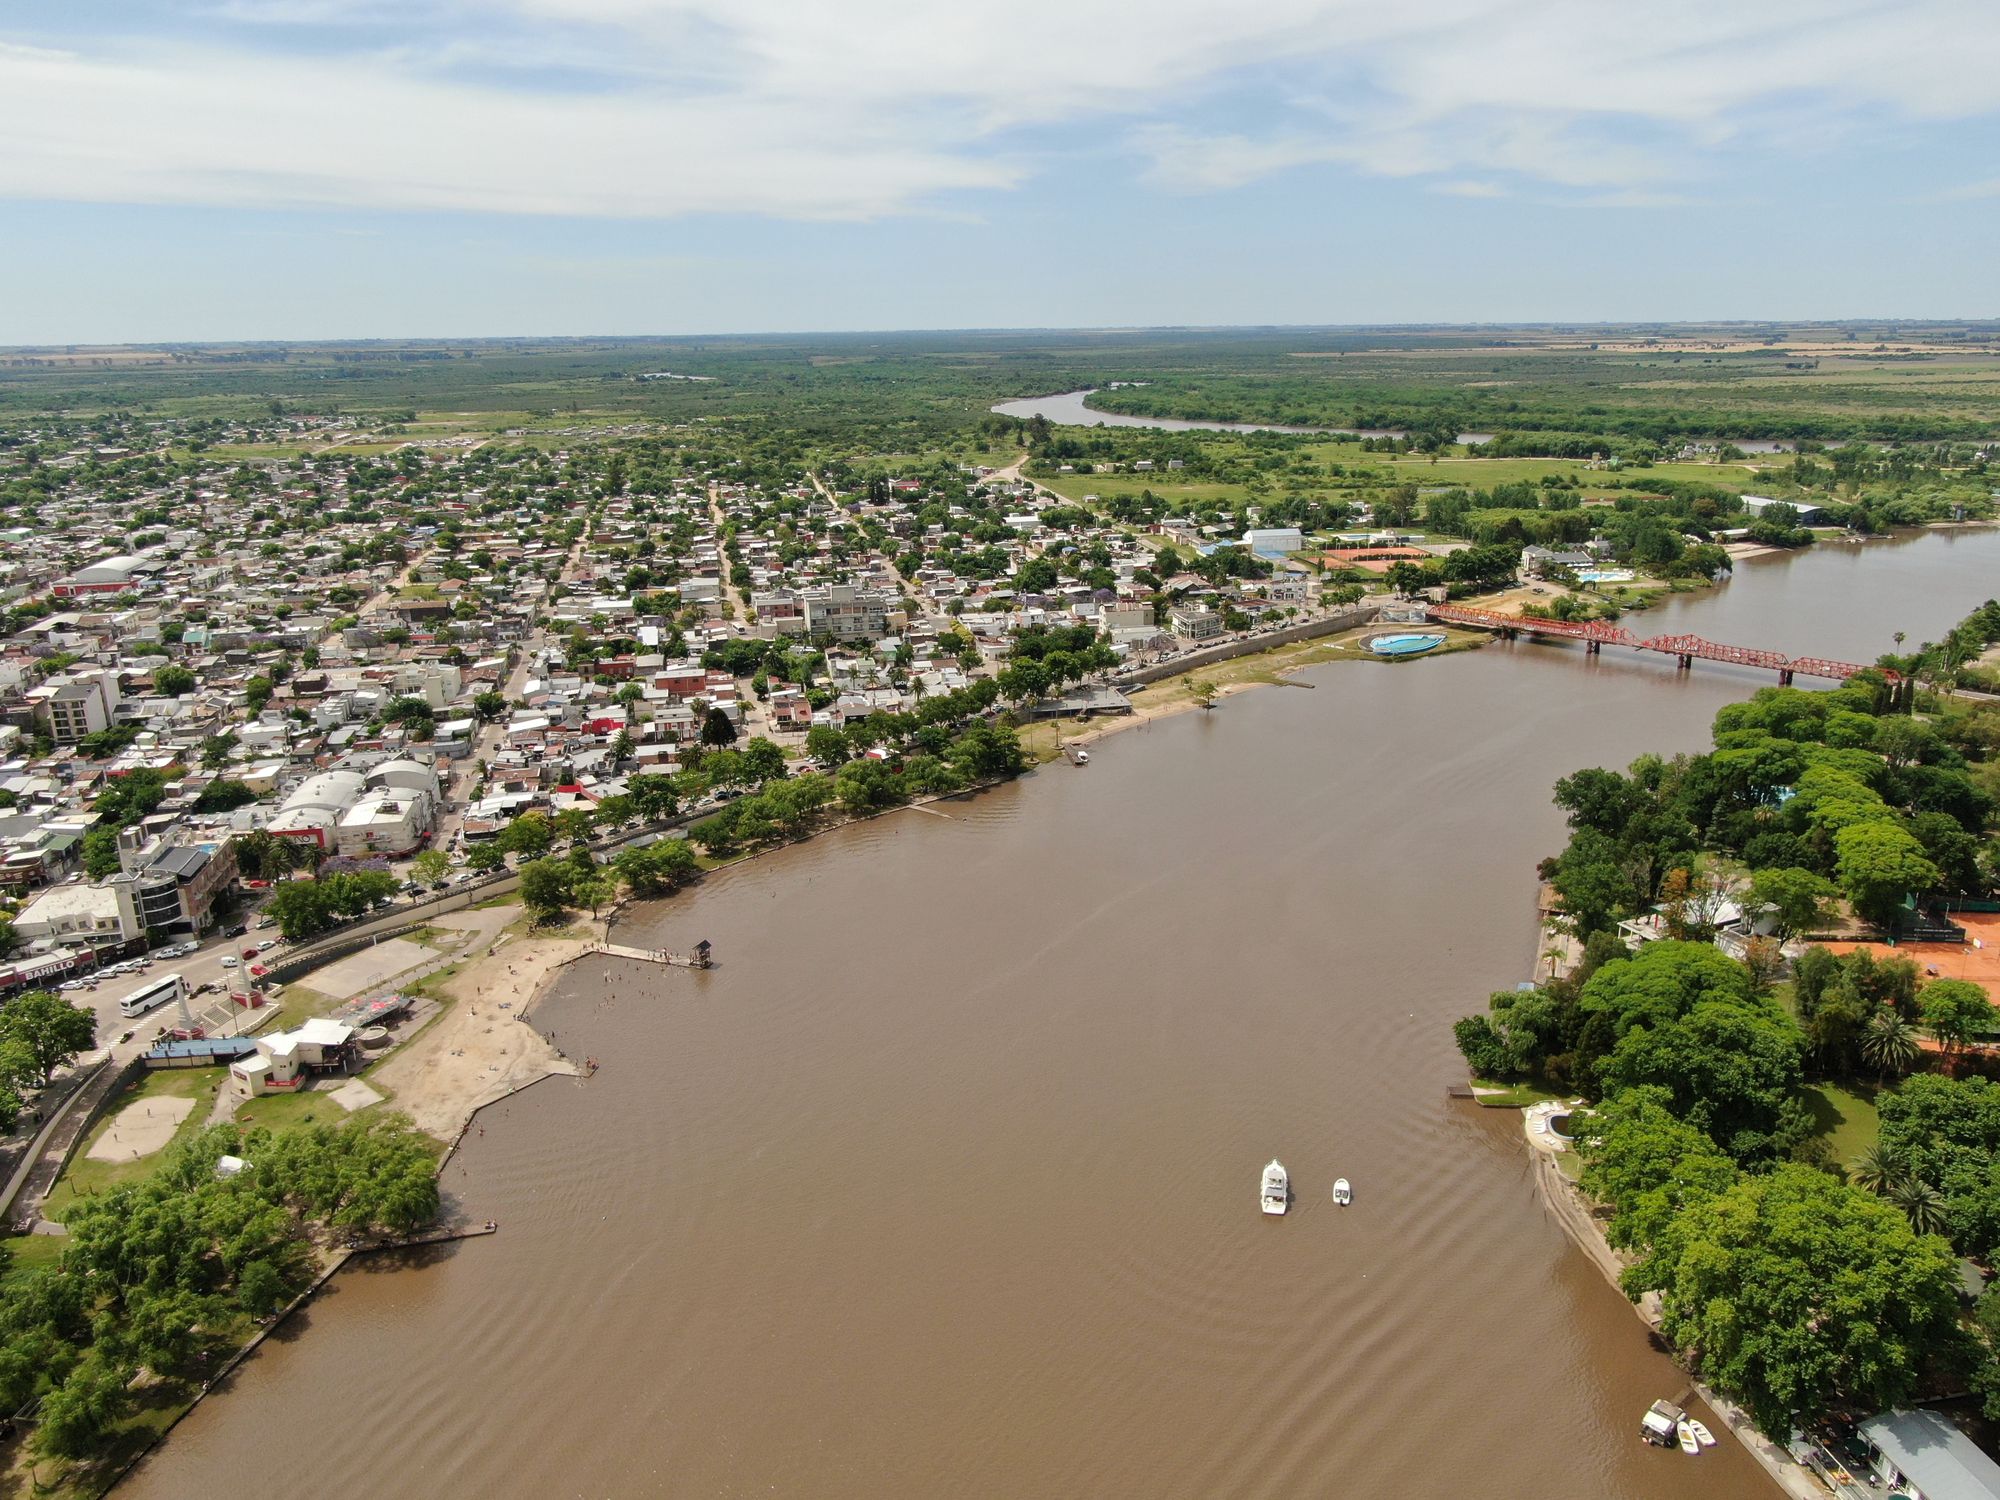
x=1701 y=1433
x=1689 y=1442
x=1276 y=1189
x=1343 y=1194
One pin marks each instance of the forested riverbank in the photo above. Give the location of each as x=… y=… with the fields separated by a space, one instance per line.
x=160 y=1280
x=1796 y=1282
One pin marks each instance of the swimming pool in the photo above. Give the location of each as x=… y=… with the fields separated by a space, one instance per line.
x=1605 y=575
x=1406 y=643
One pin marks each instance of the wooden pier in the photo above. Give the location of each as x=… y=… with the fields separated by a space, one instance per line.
x=701 y=958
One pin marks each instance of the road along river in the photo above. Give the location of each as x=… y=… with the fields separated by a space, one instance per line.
x=944 y=1182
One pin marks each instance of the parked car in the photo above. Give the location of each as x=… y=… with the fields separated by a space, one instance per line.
x=267 y=945
x=229 y=962
x=237 y=931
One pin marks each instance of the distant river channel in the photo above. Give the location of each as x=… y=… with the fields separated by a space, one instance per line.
x=944 y=1181
x=1067 y=409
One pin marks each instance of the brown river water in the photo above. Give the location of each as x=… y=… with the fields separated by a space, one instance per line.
x=944 y=1182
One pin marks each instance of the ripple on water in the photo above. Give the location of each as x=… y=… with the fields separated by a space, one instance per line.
x=942 y=1183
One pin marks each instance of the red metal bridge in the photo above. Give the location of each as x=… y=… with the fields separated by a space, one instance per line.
x=1596 y=634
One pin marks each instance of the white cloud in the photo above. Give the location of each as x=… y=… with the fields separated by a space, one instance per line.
x=874 y=107
x=227 y=128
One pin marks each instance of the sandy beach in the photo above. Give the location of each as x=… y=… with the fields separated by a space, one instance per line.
x=481 y=1049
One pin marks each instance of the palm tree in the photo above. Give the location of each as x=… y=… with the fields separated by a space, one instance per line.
x=1924 y=1205
x=1891 y=1043
x=1876 y=1170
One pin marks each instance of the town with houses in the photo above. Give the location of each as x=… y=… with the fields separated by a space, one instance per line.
x=332 y=748
x=374 y=657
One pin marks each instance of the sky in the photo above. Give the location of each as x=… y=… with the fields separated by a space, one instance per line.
x=299 y=169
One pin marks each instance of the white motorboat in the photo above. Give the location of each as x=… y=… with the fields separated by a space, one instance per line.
x=1343 y=1194
x=1701 y=1433
x=1689 y=1442
x=1276 y=1191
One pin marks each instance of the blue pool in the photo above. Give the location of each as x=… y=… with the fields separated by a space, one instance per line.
x=1407 y=643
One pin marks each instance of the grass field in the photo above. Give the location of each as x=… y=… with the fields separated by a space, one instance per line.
x=290 y=1111
x=85 y=1177
x=29 y=1255
x=1845 y=1118
x=1312 y=467
x=1512 y=1095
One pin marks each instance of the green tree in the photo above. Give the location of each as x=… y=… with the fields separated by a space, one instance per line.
x=1923 y=1205
x=654 y=796
x=762 y=760
x=485 y=857
x=531 y=835
x=548 y=887
x=1876 y=1169
x=376 y=1176
x=431 y=866
x=1891 y=1043
x=1732 y=1069
x=1648 y=1165
x=594 y=890
x=100 y=853
x=50 y=1029
x=1955 y=1011
x=1795 y=1294
x=827 y=745
x=1879 y=864
x=866 y=786
x=716 y=730
x=1945 y=1132
x=1799 y=901
x=173 y=682
x=1662 y=982
x=986 y=752
x=77 y=1416
x=301 y=908
x=656 y=869
x=489 y=705
x=224 y=795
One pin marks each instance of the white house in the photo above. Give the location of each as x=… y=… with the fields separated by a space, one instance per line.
x=285 y=1059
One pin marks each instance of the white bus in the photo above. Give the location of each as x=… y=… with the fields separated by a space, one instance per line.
x=162 y=991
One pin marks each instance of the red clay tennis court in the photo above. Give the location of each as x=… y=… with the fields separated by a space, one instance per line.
x=1976 y=959
x=1373 y=559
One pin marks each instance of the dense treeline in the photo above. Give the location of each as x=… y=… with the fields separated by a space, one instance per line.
x=168 y=1274
x=1794 y=1285
x=1591 y=402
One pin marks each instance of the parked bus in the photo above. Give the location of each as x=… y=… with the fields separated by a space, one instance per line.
x=163 y=991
